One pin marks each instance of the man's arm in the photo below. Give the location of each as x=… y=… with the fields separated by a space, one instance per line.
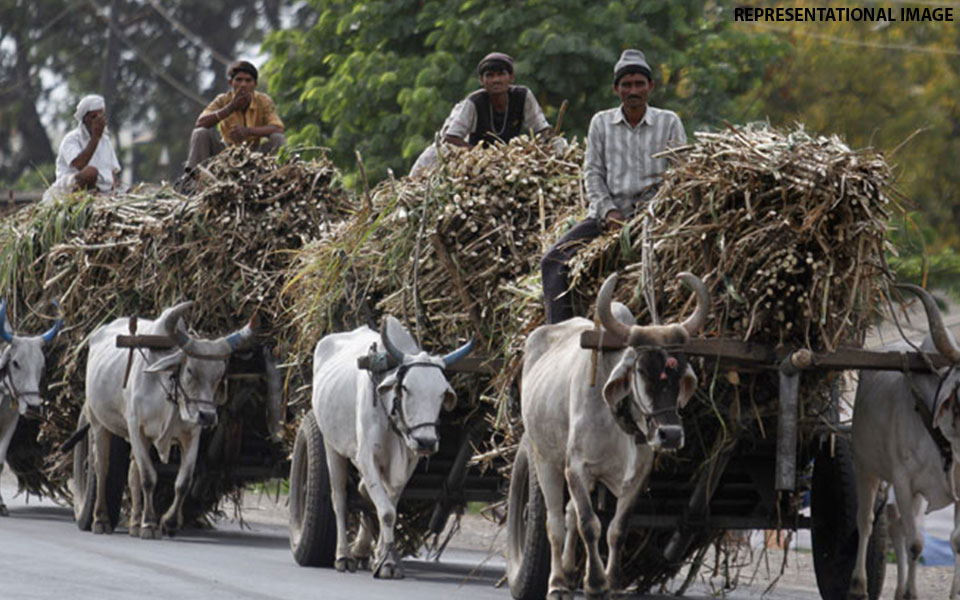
x=462 y=121
x=595 y=173
x=533 y=117
x=221 y=108
x=96 y=132
x=268 y=124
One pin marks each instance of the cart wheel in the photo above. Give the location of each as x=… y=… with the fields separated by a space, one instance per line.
x=313 y=525
x=528 y=549
x=833 y=529
x=85 y=479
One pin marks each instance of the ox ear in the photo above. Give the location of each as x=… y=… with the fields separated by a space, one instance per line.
x=620 y=382
x=5 y=357
x=943 y=407
x=387 y=385
x=688 y=385
x=449 y=399
x=167 y=363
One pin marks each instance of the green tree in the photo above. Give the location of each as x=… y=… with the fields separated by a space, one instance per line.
x=380 y=76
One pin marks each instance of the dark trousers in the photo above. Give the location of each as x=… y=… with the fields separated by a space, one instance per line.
x=554 y=268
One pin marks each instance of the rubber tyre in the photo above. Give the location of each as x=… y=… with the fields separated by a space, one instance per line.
x=85 y=480
x=833 y=527
x=528 y=548
x=313 y=524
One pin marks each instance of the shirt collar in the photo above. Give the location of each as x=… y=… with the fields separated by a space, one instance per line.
x=619 y=118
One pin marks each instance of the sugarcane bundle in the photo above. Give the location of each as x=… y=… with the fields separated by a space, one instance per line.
x=227 y=247
x=443 y=251
x=788 y=230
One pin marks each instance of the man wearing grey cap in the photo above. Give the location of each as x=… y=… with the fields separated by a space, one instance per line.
x=620 y=171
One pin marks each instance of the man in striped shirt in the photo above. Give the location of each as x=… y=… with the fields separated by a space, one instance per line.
x=620 y=171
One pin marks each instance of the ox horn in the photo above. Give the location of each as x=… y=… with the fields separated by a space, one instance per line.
x=698 y=319
x=938 y=331
x=603 y=309
x=219 y=349
x=458 y=354
x=53 y=331
x=6 y=335
x=392 y=350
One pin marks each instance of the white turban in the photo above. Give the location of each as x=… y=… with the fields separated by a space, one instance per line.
x=88 y=103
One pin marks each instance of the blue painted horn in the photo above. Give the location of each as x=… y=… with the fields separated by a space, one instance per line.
x=6 y=335
x=455 y=356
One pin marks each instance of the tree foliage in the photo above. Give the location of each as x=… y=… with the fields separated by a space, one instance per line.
x=380 y=76
x=158 y=62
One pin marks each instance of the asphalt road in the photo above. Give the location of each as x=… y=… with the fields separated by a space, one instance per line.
x=44 y=556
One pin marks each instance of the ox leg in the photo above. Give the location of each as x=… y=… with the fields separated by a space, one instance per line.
x=910 y=522
x=569 y=559
x=955 y=546
x=149 y=529
x=551 y=484
x=595 y=583
x=616 y=528
x=337 y=468
x=895 y=532
x=362 y=547
x=387 y=563
x=8 y=425
x=136 y=498
x=172 y=520
x=101 y=466
x=867 y=485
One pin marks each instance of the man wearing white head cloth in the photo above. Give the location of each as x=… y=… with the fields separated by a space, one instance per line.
x=86 y=160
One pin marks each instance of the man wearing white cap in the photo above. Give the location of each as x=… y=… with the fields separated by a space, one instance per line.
x=498 y=112
x=620 y=171
x=86 y=160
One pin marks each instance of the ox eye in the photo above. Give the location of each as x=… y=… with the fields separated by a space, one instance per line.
x=16 y=364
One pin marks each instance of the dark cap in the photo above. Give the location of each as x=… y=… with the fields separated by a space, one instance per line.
x=242 y=66
x=631 y=61
x=497 y=60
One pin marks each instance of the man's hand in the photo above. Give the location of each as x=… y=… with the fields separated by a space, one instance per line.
x=97 y=125
x=241 y=100
x=240 y=134
x=613 y=220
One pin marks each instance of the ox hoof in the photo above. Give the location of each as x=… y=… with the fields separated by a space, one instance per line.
x=560 y=595
x=598 y=595
x=149 y=532
x=346 y=563
x=134 y=531
x=101 y=527
x=3 y=511
x=363 y=563
x=389 y=570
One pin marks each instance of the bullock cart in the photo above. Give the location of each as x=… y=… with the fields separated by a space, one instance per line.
x=243 y=448
x=752 y=484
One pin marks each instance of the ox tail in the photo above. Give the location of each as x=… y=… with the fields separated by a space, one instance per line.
x=74 y=439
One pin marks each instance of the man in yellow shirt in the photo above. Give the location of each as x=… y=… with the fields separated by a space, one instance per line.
x=242 y=115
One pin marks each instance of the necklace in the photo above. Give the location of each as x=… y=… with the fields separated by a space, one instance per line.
x=506 y=113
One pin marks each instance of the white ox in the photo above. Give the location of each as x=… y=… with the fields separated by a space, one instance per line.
x=21 y=366
x=891 y=443
x=169 y=397
x=383 y=428
x=581 y=436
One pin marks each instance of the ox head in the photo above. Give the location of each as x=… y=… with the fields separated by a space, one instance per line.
x=946 y=405
x=21 y=364
x=649 y=385
x=417 y=388
x=196 y=366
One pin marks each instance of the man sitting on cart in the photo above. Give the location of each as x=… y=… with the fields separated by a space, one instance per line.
x=243 y=116
x=620 y=171
x=498 y=112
